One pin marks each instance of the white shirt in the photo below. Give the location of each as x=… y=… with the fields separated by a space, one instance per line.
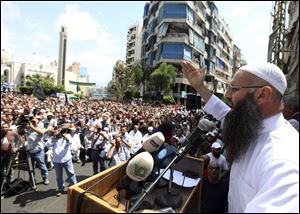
x=135 y=139
x=61 y=149
x=266 y=178
x=222 y=162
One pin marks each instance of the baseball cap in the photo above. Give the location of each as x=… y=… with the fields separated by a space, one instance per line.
x=216 y=145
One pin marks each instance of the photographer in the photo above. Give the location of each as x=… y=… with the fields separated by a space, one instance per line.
x=62 y=157
x=117 y=152
x=36 y=147
x=10 y=145
x=99 y=139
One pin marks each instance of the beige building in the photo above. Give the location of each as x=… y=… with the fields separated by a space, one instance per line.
x=134 y=44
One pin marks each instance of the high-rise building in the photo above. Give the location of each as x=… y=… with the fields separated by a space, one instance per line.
x=238 y=60
x=192 y=31
x=62 y=56
x=291 y=67
x=134 y=42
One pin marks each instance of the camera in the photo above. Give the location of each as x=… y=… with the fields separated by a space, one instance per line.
x=22 y=122
x=65 y=130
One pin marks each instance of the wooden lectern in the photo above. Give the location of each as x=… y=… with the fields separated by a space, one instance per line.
x=104 y=196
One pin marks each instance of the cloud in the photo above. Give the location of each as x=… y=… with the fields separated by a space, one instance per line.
x=241 y=10
x=100 y=57
x=80 y=25
x=44 y=37
x=9 y=9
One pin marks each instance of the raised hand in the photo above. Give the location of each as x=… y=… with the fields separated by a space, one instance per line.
x=195 y=76
x=196 y=79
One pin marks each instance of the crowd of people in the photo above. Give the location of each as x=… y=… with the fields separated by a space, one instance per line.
x=57 y=134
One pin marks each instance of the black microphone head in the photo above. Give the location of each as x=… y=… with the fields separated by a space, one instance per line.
x=206 y=125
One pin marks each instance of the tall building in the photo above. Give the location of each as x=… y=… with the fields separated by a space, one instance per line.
x=291 y=67
x=238 y=60
x=62 y=56
x=191 y=31
x=134 y=42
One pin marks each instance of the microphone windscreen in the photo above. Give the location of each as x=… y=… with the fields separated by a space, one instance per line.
x=140 y=166
x=165 y=156
x=206 y=125
x=153 y=142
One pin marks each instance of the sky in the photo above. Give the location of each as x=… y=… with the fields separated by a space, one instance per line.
x=97 y=31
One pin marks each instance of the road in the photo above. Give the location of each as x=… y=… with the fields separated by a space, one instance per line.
x=44 y=200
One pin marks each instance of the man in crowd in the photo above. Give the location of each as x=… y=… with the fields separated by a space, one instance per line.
x=36 y=148
x=257 y=139
x=62 y=157
x=291 y=110
x=216 y=156
x=214 y=191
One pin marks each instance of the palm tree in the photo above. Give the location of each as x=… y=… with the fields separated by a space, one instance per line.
x=163 y=78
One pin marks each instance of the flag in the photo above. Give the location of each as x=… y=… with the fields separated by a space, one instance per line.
x=39 y=92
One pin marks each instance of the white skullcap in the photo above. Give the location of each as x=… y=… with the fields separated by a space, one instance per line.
x=270 y=73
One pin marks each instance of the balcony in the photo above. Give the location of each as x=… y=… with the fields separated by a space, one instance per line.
x=175 y=37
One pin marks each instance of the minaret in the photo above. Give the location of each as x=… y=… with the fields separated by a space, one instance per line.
x=62 y=56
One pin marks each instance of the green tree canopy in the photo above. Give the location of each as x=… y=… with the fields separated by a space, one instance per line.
x=163 y=78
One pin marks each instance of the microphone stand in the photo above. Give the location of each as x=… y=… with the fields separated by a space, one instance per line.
x=167 y=198
x=182 y=151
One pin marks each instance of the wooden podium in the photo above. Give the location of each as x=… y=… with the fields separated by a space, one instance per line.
x=102 y=198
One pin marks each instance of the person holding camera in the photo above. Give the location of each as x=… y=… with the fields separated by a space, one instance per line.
x=99 y=140
x=117 y=152
x=62 y=157
x=36 y=147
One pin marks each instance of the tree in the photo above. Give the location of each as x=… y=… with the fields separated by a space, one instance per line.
x=163 y=78
x=3 y=78
x=124 y=81
x=141 y=73
x=46 y=82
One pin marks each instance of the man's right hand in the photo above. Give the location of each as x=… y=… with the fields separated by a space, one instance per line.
x=196 y=79
x=195 y=76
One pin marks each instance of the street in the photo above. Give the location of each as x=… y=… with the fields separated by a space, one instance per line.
x=44 y=200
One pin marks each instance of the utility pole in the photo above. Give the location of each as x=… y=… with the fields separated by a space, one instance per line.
x=276 y=53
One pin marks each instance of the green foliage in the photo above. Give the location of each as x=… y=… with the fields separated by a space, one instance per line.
x=163 y=78
x=3 y=78
x=25 y=89
x=168 y=99
x=46 y=82
x=124 y=81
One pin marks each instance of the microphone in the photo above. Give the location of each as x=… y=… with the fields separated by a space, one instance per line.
x=198 y=134
x=150 y=144
x=165 y=156
x=153 y=142
x=140 y=167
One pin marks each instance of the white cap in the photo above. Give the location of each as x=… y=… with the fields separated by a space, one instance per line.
x=216 y=145
x=150 y=128
x=50 y=114
x=270 y=73
x=210 y=133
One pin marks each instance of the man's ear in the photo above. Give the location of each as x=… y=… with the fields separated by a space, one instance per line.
x=263 y=94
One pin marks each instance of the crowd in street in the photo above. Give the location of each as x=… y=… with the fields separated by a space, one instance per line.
x=57 y=134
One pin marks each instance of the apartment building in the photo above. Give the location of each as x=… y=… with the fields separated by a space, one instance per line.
x=292 y=49
x=134 y=42
x=176 y=31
